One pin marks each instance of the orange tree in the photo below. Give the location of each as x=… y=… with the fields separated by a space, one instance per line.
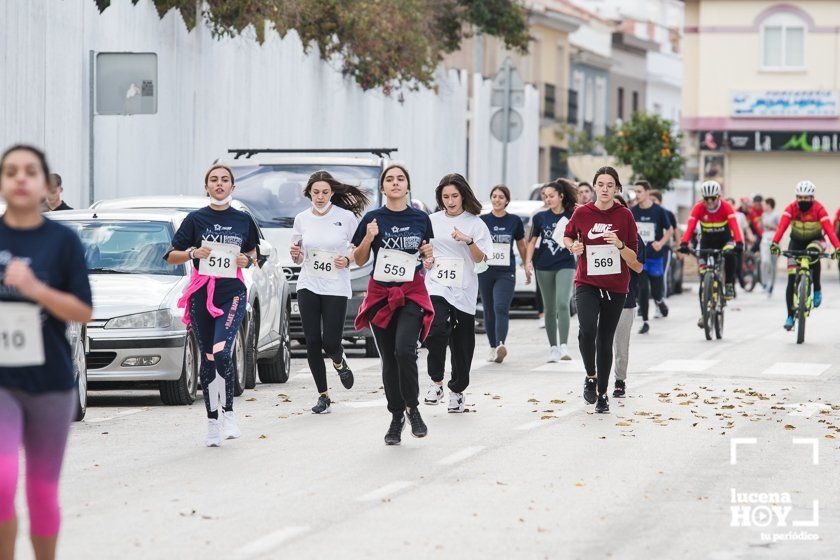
x=646 y=143
x=379 y=43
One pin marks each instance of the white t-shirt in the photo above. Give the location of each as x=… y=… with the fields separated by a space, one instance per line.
x=330 y=232
x=465 y=297
x=769 y=223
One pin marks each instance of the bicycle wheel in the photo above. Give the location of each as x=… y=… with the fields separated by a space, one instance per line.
x=719 y=307
x=803 y=291
x=749 y=273
x=707 y=304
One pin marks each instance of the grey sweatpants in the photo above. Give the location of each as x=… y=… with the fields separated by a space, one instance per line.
x=621 y=344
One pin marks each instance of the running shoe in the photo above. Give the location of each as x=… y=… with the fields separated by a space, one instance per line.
x=589 y=394
x=553 y=355
x=603 y=405
x=541 y=323
x=656 y=313
x=229 y=425
x=619 y=389
x=645 y=328
x=214 y=433
x=501 y=353
x=564 y=353
x=434 y=394
x=418 y=427
x=729 y=292
x=491 y=356
x=456 y=402
x=344 y=373
x=394 y=434
x=322 y=406
x=662 y=308
x=789 y=324
x=700 y=323
x=817 y=299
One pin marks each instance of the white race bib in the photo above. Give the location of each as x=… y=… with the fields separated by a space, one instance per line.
x=448 y=271
x=394 y=266
x=560 y=230
x=500 y=255
x=21 y=338
x=602 y=260
x=222 y=260
x=647 y=231
x=321 y=264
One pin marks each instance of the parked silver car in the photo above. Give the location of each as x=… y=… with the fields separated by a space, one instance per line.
x=77 y=337
x=136 y=334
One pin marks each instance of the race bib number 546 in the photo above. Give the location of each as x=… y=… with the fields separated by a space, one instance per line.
x=21 y=338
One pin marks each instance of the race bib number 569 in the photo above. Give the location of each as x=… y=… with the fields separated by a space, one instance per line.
x=602 y=260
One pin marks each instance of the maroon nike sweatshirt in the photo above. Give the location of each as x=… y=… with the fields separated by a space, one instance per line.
x=589 y=224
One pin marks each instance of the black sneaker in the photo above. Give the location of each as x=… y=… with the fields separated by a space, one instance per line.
x=589 y=394
x=663 y=309
x=729 y=292
x=394 y=435
x=603 y=406
x=619 y=389
x=418 y=427
x=323 y=405
x=344 y=373
x=645 y=328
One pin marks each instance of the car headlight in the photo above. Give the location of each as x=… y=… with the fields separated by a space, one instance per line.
x=160 y=319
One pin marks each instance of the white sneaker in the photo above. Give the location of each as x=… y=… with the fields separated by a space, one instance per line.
x=456 y=402
x=230 y=426
x=553 y=354
x=656 y=313
x=501 y=352
x=541 y=322
x=214 y=434
x=491 y=357
x=434 y=394
x=564 y=352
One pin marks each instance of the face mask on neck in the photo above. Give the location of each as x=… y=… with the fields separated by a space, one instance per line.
x=804 y=205
x=226 y=200
x=322 y=211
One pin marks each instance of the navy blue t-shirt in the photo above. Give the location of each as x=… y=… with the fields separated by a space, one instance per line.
x=656 y=216
x=672 y=219
x=219 y=226
x=633 y=290
x=57 y=258
x=549 y=254
x=402 y=231
x=506 y=229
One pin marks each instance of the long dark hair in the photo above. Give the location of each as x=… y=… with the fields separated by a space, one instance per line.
x=399 y=166
x=344 y=196
x=42 y=157
x=567 y=189
x=470 y=204
x=502 y=189
x=607 y=170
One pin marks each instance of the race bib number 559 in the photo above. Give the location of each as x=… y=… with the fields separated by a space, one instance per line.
x=394 y=266
x=21 y=338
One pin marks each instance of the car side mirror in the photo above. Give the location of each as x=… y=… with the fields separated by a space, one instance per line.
x=264 y=250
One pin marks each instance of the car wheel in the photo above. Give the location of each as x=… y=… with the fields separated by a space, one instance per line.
x=251 y=354
x=239 y=362
x=371 y=351
x=80 y=367
x=183 y=390
x=277 y=368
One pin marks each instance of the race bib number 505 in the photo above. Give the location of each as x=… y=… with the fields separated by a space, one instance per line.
x=21 y=338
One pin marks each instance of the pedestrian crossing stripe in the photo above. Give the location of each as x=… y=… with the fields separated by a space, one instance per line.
x=799 y=368
x=684 y=366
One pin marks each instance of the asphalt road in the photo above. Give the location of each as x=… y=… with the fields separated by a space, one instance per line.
x=529 y=472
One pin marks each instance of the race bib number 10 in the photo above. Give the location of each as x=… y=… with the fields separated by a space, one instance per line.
x=394 y=266
x=321 y=264
x=21 y=338
x=602 y=260
x=222 y=260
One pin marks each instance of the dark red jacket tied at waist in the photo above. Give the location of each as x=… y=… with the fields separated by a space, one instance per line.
x=394 y=298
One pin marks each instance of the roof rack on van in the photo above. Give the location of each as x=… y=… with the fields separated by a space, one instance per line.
x=248 y=152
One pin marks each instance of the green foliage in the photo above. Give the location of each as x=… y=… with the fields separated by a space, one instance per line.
x=381 y=43
x=646 y=143
x=578 y=141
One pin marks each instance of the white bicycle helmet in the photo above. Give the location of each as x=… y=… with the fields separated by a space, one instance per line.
x=710 y=188
x=805 y=188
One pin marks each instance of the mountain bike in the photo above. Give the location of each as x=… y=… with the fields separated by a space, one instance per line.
x=750 y=270
x=712 y=300
x=803 y=287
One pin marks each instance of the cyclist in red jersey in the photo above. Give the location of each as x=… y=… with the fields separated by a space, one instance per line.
x=718 y=229
x=809 y=222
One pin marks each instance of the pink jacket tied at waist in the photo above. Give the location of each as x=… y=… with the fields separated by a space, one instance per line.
x=197 y=281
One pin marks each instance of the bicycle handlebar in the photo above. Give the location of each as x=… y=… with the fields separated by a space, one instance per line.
x=804 y=253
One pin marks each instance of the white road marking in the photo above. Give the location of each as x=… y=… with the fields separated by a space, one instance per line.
x=356 y=364
x=117 y=415
x=386 y=491
x=461 y=455
x=307 y=375
x=684 y=366
x=366 y=404
x=270 y=542
x=798 y=368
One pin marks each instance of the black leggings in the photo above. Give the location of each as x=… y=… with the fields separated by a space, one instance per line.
x=598 y=315
x=649 y=286
x=453 y=328
x=330 y=311
x=397 y=345
x=816 y=272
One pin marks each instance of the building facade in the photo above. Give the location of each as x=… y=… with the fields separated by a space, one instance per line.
x=761 y=97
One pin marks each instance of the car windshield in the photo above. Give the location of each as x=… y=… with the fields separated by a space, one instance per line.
x=126 y=247
x=274 y=193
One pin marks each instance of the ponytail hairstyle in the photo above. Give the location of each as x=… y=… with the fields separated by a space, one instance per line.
x=565 y=188
x=470 y=204
x=219 y=166
x=620 y=199
x=344 y=196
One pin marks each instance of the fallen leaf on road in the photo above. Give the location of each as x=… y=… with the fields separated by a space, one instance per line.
x=829 y=436
x=622 y=423
x=557 y=401
x=789 y=427
x=263 y=436
x=578 y=483
x=547 y=416
x=728 y=406
x=249 y=399
x=533 y=400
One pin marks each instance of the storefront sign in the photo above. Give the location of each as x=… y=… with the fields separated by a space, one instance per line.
x=824 y=103
x=760 y=141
